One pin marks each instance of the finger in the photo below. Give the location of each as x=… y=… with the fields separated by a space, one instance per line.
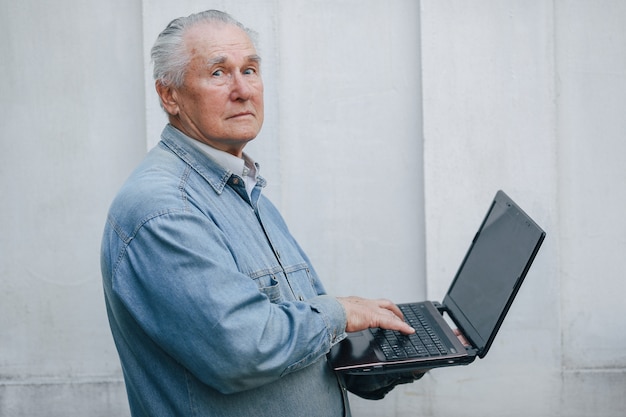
x=391 y=321
x=395 y=310
x=461 y=338
x=386 y=304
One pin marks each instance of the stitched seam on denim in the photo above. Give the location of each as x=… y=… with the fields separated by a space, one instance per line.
x=333 y=338
x=181 y=187
x=192 y=408
x=193 y=164
x=295 y=268
x=130 y=238
x=263 y=272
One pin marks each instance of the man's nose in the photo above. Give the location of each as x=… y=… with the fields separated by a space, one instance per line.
x=240 y=87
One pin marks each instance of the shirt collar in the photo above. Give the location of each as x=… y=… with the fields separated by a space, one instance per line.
x=242 y=167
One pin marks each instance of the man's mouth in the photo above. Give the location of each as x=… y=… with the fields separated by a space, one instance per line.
x=242 y=114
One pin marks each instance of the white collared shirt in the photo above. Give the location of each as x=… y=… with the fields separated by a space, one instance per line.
x=244 y=167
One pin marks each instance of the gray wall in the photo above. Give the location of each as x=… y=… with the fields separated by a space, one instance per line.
x=72 y=125
x=389 y=127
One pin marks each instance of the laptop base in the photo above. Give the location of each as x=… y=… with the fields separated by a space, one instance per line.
x=360 y=347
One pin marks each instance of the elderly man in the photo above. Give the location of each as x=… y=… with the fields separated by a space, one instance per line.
x=214 y=308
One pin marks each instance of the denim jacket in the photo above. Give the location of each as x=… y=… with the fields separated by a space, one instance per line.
x=214 y=308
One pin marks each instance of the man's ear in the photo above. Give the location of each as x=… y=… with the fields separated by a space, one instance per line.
x=167 y=95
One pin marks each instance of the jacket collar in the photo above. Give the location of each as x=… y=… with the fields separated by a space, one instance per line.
x=215 y=174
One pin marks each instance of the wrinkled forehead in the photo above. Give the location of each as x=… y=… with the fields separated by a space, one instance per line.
x=217 y=38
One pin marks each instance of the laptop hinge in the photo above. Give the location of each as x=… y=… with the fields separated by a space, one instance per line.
x=471 y=350
x=440 y=307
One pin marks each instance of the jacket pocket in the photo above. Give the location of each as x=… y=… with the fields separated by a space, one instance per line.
x=269 y=285
x=300 y=281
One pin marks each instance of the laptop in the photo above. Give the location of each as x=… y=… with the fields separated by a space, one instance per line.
x=475 y=305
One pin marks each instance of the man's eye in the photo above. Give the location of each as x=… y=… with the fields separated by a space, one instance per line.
x=218 y=73
x=249 y=71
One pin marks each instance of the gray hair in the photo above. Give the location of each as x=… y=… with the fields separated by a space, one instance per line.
x=169 y=54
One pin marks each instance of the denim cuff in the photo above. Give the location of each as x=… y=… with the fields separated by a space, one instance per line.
x=334 y=316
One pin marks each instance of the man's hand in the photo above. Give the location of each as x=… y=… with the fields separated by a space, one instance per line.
x=364 y=313
x=461 y=337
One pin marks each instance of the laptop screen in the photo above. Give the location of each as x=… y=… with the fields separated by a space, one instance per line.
x=492 y=271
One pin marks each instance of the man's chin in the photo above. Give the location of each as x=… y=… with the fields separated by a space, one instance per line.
x=244 y=135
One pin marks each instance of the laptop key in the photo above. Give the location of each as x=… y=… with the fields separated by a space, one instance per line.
x=424 y=342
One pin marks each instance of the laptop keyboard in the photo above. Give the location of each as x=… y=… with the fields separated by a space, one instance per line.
x=423 y=343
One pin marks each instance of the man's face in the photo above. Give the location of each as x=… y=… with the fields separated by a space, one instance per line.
x=221 y=100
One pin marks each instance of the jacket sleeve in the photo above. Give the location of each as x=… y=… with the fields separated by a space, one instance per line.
x=184 y=290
